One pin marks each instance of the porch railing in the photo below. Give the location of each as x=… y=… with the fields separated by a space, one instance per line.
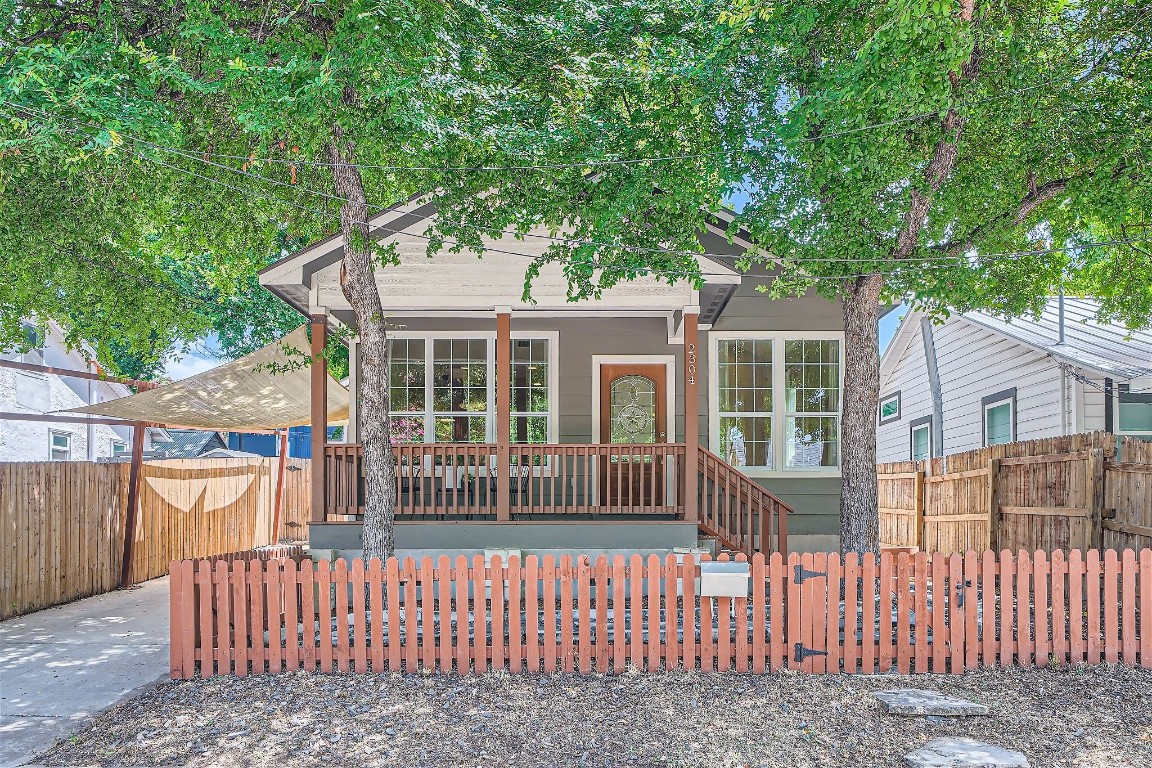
x=454 y=480
x=465 y=481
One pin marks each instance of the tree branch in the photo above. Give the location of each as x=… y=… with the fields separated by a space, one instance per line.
x=1037 y=196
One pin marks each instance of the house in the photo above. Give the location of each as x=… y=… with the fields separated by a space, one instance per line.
x=34 y=390
x=191 y=444
x=653 y=418
x=979 y=380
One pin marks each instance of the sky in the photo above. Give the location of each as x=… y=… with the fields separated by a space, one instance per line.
x=194 y=359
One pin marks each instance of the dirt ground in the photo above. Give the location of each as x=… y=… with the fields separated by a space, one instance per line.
x=1080 y=717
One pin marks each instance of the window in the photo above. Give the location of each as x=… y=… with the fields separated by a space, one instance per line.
x=999 y=417
x=744 y=377
x=1134 y=411
x=442 y=388
x=531 y=385
x=890 y=408
x=812 y=393
x=460 y=390
x=60 y=445
x=776 y=401
x=119 y=447
x=407 y=389
x=34 y=341
x=920 y=432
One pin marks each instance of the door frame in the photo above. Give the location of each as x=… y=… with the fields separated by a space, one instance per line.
x=669 y=363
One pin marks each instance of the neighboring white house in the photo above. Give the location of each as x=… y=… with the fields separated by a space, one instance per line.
x=37 y=392
x=979 y=380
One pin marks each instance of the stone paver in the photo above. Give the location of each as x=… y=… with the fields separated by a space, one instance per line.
x=964 y=753
x=62 y=665
x=913 y=701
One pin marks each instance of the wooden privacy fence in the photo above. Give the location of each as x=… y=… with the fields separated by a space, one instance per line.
x=811 y=613
x=62 y=524
x=1057 y=493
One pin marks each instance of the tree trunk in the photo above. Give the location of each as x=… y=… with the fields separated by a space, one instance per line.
x=359 y=284
x=859 y=521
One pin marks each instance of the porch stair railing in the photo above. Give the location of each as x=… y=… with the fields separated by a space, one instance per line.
x=739 y=513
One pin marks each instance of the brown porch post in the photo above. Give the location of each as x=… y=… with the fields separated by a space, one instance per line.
x=503 y=478
x=691 y=413
x=319 y=412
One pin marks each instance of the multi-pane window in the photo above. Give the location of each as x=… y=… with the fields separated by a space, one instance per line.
x=460 y=390
x=531 y=403
x=812 y=403
x=442 y=390
x=777 y=402
x=744 y=381
x=407 y=389
x=60 y=446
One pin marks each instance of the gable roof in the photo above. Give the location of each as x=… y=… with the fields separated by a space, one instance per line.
x=190 y=443
x=453 y=281
x=1105 y=348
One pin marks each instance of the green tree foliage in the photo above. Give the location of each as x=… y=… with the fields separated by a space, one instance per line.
x=898 y=150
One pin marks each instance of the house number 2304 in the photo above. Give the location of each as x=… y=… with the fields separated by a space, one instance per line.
x=691 y=354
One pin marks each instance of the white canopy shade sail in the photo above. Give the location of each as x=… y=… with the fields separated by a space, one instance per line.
x=268 y=389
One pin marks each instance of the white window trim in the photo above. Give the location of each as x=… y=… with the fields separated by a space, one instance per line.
x=124 y=445
x=778 y=384
x=553 y=338
x=1011 y=403
x=52 y=435
x=912 y=430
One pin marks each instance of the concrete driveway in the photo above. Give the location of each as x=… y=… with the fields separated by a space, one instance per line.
x=60 y=666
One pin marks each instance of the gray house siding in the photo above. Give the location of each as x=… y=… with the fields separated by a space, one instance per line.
x=816 y=499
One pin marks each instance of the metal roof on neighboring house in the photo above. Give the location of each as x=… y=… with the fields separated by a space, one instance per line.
x=1104 y=347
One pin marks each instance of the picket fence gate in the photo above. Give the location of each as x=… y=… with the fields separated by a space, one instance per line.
x=812 y=612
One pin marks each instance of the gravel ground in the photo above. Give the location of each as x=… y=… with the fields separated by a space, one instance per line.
x=1080 y=717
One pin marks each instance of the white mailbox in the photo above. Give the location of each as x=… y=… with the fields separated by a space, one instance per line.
x=724 y=579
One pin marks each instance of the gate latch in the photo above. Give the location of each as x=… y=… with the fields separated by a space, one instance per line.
x=802 y=573
x=803 y=653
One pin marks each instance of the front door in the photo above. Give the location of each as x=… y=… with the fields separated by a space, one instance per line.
x=633 y=412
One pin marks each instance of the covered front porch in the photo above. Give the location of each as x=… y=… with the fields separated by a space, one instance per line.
x=489 y=485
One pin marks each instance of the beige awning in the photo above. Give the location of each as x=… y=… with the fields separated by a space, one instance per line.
x=267 y=389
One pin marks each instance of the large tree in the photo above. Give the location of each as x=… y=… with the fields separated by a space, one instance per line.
x=949 y=153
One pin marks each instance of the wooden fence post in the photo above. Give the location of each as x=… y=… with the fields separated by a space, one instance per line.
x=1097 y=499
x=994 y=504
x=918 y=523
x=133 y=511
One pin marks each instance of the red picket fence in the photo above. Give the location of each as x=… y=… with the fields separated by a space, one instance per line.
x=813 y=613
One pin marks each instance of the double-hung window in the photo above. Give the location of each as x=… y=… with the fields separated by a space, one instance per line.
x=775 y=401
x=442 y=387
x=60 y=445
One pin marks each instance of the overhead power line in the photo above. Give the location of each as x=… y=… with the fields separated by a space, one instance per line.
x=925 y=262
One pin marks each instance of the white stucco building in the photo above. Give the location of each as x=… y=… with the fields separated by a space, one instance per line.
x=36 y=392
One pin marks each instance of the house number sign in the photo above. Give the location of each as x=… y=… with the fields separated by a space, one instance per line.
x=691 y=353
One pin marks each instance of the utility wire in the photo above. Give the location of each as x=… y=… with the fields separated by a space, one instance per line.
x=944 y=261
x=927 y=262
